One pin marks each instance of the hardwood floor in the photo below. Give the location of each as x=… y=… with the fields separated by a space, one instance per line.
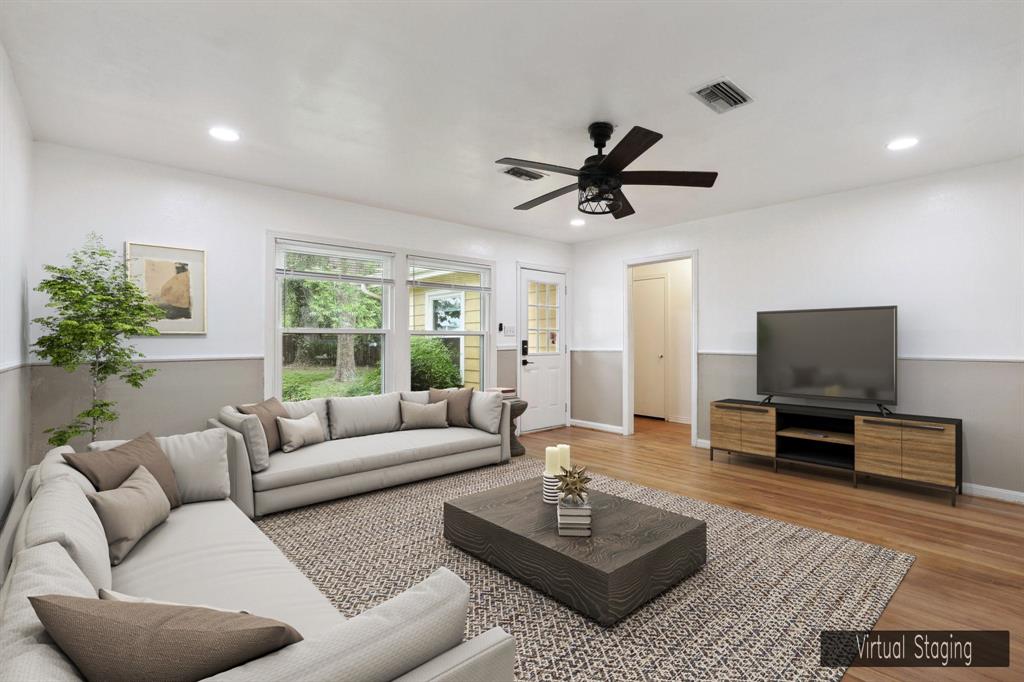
x=969 y=572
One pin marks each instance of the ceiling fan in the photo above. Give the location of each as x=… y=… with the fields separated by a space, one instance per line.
x=600 y=179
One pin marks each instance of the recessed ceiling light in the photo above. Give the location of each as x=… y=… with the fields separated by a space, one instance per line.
x=224 y=134
x=901 y=143
x=577 y=222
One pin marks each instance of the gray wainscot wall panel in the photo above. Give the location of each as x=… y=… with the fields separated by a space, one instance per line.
x=179 y=398
x=14 y=429
x=507 y=374
x=988 y=396
x=597 y=386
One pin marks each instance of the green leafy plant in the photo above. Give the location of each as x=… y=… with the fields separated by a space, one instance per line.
x=97 y=308
x=431 y=364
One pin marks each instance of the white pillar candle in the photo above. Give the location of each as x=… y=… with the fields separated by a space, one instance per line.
x=551 y=461
x=563 y=455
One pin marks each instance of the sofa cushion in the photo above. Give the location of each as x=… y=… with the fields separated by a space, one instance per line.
x=107 y=469
x=61 y=513
x=112 y=641
x=26 y=651
x=199 y=460
x=378 y=645
x=297 y=409
x=421 y=397
x=252 y=433
x=130 y=511
x=267 y=412
x=210 y=553
x=458 y=403
x=54 y=465
x=485 y=410
x=297 y=433
x=364 y=415
x=366 y=453
x=416 y=416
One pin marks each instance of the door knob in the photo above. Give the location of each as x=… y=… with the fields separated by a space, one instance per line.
x=527 y=362
x=660 y=356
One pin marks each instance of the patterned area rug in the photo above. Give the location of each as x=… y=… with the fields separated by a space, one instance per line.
x=752 y=613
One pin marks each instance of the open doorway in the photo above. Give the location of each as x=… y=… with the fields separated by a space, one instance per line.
x=660 y=371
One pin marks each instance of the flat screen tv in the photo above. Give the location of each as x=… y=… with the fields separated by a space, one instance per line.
x=835 y=353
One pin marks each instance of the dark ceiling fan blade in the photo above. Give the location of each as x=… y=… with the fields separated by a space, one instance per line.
x=537 y=165
x=636 y=142
x=625 y=208
x=673 y=178
x=547 y=197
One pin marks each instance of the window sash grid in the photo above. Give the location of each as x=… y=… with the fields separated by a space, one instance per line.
x=438 y=332
x=333 y=330
x=283 y=273
x=438 y=286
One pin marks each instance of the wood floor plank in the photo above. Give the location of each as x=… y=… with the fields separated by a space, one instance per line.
x=969 y=572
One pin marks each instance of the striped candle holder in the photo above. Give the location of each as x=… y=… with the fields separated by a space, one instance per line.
x=550 y=489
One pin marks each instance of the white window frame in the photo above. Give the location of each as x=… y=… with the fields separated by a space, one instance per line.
x=396 y=375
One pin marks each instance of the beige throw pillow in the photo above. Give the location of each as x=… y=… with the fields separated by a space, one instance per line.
x=296 y=433
x=458 y=404
x=122 y=641
x=108 y=469
x=417 y=416
x=268 y=412
x=130 y=511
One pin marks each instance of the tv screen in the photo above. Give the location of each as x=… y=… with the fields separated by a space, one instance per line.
x=840 y=353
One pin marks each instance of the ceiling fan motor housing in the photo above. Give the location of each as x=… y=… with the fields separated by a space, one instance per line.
x=597 y=186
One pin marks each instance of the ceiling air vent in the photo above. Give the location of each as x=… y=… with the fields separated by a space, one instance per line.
x=523 y=174
x=722 y=96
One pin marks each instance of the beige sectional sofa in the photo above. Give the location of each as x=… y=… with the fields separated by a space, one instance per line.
x=364 y=449
x=209 y=553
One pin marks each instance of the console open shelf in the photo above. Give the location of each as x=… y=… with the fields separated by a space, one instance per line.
x=816 y=434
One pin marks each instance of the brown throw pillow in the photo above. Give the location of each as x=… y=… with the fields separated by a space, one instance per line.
x=130 y=511
x=114 y=641
x=268 y=411
x=458 y=404
x=108 y=469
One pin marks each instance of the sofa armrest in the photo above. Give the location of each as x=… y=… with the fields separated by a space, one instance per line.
x=239 y=469
x=505 y=429
x=489 y=656
x=378 y=645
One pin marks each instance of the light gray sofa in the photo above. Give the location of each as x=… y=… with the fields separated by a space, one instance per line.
x=209 y=553
x=364 y=449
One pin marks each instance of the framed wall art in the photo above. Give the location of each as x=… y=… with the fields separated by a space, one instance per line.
x=175 y=280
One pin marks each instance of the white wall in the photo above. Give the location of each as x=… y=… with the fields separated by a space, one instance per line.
x=15 y=198
x=677 y=274
x=948 y=249
x=15 y=173
x=77 y=191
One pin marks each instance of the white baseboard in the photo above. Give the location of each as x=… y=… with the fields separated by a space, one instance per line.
x=704 y=443
x=597 y=426
x=1015 y=496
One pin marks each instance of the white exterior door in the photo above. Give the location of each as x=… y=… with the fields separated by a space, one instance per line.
x=542 y=350
x=649 y=300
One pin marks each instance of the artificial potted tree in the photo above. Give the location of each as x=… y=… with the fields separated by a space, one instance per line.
x=97 y=309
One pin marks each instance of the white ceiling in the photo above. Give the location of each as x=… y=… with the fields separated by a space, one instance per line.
x=406 y=105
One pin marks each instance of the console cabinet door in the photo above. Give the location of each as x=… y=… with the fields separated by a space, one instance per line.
x=726 y=427
x=877 y=446
x=929 y=452
x=759 y=430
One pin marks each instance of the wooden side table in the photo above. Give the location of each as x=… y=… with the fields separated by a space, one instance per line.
x=517 y=406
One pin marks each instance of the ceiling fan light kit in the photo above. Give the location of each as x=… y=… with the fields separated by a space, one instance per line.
x=599 y=181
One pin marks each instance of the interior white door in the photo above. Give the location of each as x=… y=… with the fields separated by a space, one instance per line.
x=542 y=350
x=649 y=329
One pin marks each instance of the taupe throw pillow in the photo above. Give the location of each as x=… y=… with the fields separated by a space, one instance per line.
x=296 y=433
x=418 y=416
x=114 y=641
x=458 y=404
x=108 y=469
x=130 y=511
x=268 y=411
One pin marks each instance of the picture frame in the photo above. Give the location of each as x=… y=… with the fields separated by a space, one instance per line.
x=174 y=278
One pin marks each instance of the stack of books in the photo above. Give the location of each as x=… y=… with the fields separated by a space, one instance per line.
x=574 y=519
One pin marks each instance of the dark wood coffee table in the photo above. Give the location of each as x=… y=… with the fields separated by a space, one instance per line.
x=636 y=551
